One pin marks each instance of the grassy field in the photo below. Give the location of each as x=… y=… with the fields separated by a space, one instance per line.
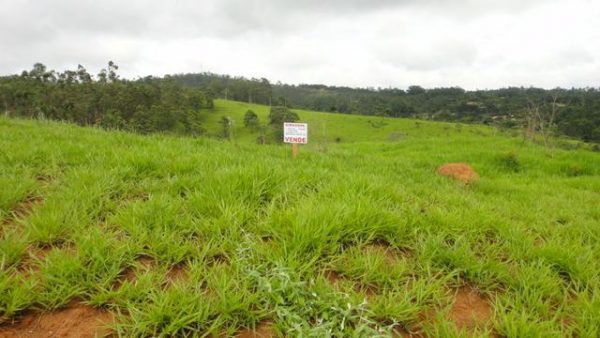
x=163 y=235
x=325 y=128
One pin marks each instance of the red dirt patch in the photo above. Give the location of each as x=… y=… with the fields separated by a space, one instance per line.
x=470 y=310
x=459 y=171
x=176 y=273
x=262 y=330
x=332 y=277
x=145 y=261
x=76 y=320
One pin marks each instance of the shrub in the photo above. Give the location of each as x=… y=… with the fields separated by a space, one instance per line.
x=251 y=120
x=509 y=162
x=277 y=117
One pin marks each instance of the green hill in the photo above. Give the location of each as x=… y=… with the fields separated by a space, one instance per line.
x=355 y=237
x=327 y=127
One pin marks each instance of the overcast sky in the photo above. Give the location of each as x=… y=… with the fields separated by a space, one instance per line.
x=359 y=43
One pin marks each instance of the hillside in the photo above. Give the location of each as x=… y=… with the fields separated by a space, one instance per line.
x=178 y=104
x=327 y=127
x=167 y=235
x=576 y=111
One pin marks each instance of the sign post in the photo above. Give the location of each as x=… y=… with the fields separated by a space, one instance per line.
x=295 y=133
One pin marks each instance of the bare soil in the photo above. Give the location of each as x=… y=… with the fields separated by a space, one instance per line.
x=177 y=273
x=262 y=330
x=332 y=276
x=75 y=320
x=470 y=309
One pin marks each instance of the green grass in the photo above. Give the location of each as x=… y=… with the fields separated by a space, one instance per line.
x=325 y=128
x=257 y=232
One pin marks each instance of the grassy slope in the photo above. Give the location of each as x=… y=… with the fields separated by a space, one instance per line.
x=257 y=231
x=326 y=127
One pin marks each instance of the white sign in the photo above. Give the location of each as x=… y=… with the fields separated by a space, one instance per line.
x=295 y=133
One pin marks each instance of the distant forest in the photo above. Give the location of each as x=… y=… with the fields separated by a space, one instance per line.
x=577 y=111
x=145 y=105
x=176 y=103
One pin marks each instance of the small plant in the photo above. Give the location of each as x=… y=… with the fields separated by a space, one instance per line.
x=573 y=170
x=262 y=136
x=510 y=162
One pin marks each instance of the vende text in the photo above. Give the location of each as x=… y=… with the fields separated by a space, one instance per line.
x=294 y=139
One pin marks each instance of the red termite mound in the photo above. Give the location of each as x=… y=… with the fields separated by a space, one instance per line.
x=459 y=171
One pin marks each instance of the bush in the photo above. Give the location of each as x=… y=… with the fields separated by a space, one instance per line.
x=251 y=120
x=509 y=162
x=277 y=117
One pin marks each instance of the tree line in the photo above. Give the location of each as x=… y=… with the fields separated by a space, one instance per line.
x=575 y=112
x=144 y=105
x=176 y=103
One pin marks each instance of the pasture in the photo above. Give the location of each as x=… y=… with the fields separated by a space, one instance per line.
x=357 y=237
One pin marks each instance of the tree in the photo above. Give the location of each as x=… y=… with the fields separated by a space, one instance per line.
x=541 y=118
x=226 y=127
x=277 y=117
x=251 y=120
x=145 y=105
x=112 y=120
x=140 y=121
x=415 y=90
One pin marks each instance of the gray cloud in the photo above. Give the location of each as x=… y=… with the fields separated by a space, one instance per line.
x=471 y=43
